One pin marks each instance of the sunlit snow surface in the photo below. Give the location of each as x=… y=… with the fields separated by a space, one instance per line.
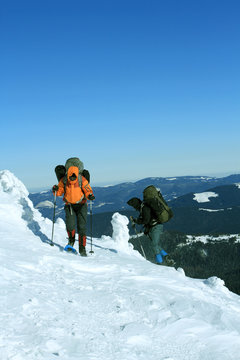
x=111 y=305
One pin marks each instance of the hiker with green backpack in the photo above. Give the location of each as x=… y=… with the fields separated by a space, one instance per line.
x=153 y=212
x=74 y=185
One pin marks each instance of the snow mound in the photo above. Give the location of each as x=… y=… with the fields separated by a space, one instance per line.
x=12 y=186
x=17 y=211
x=214 y=282
x=120 y=232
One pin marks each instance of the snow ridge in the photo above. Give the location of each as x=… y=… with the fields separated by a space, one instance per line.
x=15 y=201
x=112 y=305
x=10 y=185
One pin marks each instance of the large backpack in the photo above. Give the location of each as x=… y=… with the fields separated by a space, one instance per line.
x=61 y=171
x=74 y=162
x=154 y=199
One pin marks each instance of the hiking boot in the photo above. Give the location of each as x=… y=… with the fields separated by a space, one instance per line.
x=168 y=261
x=71 y=242
x=71 y=238
x=82 y=250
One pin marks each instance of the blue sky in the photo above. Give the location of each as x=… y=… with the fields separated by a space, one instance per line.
x=133 y=88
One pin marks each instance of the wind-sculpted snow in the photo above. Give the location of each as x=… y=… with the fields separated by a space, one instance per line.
x=15 y=201
x=121 y=233
x=10 y=185
x=112 y=305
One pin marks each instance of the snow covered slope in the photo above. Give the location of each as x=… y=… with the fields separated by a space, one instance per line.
x=111 y=305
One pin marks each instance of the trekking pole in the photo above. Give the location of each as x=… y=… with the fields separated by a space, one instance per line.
x=54 y=211
x=91 y=252
x=137 y=233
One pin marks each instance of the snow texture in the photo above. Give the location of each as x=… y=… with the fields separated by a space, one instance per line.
x=112 y=305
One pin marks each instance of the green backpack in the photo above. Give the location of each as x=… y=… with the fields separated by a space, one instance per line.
x=154 y=199
x=74 y=162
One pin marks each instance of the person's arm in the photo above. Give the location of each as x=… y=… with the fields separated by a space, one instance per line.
x=145 y=216
x=87 y=189
x=59 y=189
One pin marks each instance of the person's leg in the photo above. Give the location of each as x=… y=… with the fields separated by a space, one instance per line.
x=155 y=235
x=161 y=256
x=70 y=223
x=82 y=228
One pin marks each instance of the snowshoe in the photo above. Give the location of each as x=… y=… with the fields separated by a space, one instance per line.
x=69 y=248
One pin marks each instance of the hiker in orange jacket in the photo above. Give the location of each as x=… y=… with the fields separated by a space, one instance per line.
x=76 y=190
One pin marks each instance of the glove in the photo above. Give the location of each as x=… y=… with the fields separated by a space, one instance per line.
x=55 y=188
x=132 y=220
x=91 y=197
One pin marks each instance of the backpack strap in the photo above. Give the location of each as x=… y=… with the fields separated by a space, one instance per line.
x=80 y=180
x=64 y=179
x=153 y=220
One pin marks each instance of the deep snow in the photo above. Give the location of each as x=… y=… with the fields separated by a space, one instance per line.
x=111 y=305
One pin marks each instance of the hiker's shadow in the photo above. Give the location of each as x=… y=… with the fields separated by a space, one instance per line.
x=105 y=248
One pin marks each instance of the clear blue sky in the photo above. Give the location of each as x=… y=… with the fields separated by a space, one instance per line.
x=134 y=88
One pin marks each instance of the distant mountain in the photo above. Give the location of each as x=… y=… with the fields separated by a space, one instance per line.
x=217 y=198
x=114 y=198
x=204 y=210
x=198 y=222
x=214 y=211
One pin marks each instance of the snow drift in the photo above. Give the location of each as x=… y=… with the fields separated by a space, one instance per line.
x=112 y=305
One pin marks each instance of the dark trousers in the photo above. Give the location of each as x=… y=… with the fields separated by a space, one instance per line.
x=76 y=214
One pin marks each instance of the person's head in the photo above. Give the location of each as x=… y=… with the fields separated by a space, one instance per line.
x=73 y=177
x=135 y=203
x=72 y=173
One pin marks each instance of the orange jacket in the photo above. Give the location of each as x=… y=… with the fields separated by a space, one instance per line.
x=73 y=194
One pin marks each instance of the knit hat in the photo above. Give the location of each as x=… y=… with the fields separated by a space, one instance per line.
x=135 y=203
